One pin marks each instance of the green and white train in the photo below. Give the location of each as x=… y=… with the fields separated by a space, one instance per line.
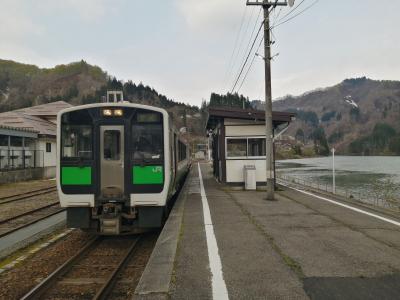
x=119 y=165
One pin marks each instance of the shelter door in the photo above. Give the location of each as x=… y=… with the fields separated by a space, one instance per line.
x=112 y=161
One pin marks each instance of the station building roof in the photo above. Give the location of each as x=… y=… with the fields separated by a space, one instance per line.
x=217 y=114
x=45 y=110
x=20 y=132
x=38 y=119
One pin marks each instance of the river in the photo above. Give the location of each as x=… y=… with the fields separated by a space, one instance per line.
x=355 y=173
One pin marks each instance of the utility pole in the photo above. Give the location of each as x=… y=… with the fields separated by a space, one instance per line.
x=266 y=4
x=333 y=172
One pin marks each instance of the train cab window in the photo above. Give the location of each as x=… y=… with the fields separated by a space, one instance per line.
x=76 y=141
x=112 y=142
x=147 y=135
x=76 y=135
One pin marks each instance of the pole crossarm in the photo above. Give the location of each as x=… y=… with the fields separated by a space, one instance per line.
x=266 y=3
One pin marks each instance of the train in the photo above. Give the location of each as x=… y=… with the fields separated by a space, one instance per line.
x=119 y=166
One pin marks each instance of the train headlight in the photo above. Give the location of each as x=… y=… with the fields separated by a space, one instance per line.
x=118 y=112
x=107 y=112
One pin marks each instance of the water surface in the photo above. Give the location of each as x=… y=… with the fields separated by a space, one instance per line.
x=356 y=173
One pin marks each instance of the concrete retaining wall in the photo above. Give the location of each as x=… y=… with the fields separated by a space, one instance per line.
x=27 y=174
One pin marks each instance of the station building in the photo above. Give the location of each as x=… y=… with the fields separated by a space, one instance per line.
x=238 y=140
x=28 y=142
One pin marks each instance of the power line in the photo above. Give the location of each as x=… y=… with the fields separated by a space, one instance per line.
x=251 y=36
x=292 y=10
x=271 y=28
x=247 y=58
x=230 y=65
x=251 y=64
x=296 y=15
x=252 y=46
x=238 y=52
x=277 y=16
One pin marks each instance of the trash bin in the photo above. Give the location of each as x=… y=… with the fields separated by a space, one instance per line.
x=250 y=183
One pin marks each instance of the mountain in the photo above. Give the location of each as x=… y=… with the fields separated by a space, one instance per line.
x=23 y=85
x=357 y=116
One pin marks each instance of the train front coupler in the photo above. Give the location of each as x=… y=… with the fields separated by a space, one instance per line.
x=110 y=219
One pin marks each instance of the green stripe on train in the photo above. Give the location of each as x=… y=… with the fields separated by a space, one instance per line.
x=147 y=175
x=76 y=176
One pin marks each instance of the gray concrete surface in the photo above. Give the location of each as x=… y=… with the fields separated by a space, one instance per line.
x=192 y=276
x=28 y=235
x=155 y=281
x=298 y=247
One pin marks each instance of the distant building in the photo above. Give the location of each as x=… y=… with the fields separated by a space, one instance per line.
x=28 y=139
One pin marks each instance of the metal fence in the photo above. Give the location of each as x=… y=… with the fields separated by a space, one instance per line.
x=21 y=159
x=366 y=196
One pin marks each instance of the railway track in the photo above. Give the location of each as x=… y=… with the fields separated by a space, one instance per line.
x=28 y=218
x=26 y=195
x=92 y=273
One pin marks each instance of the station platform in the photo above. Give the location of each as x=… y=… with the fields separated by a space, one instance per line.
x=224 y=244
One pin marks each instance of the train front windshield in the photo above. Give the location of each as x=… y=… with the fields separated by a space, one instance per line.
x=76 y=135
x=147 y=137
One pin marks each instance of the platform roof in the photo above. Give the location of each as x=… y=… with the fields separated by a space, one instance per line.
x=217 y=114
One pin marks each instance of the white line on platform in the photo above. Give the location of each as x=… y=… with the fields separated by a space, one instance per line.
x=218 y=283
x=347 y=206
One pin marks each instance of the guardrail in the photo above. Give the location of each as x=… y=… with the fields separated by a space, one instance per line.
x=20 y=159
x=367 y=197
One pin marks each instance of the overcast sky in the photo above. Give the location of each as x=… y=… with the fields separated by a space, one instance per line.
x=183 y=48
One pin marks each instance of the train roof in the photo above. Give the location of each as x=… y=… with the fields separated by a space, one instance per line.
x=118 y=104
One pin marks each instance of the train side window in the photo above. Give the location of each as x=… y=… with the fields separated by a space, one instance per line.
x=181 y=151
x=112 y=142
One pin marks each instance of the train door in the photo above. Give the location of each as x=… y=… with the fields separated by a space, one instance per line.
x=112 y=161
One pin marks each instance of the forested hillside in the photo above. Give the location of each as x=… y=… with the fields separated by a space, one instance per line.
x=357 y=116
x=23 y=85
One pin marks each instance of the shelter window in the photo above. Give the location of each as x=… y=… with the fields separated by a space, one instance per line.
x=48 y=147
x=236 y=147
x=76 y=141
x=256 y=147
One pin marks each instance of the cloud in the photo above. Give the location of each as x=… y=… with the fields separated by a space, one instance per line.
x=206 y=15
x=88 y=10
x=15 y=22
